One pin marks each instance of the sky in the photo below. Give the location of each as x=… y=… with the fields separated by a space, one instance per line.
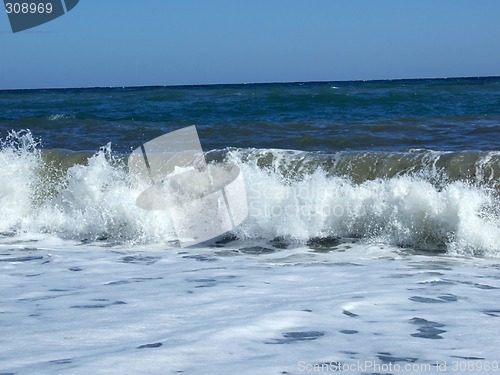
x=107 y=43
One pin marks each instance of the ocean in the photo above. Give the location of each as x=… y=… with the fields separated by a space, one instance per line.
x=371 y=245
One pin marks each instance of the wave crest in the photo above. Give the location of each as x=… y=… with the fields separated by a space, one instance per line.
x=421 y=199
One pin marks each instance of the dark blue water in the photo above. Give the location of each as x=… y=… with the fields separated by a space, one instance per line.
x=441 y=114
x=408 y=163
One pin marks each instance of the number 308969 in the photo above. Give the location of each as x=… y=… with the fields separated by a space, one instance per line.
x=25 y=8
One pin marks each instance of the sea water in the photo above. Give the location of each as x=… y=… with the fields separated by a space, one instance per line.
x=372 y=243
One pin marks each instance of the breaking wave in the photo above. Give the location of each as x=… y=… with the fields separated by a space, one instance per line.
x=422 y=199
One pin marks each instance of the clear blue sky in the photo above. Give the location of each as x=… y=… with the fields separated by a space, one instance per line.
x=172 y=42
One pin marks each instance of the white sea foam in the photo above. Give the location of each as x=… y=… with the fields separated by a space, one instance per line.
x=407 y=211
x=19 y=160
x=90 y=201
x=97 y=201
x=92 y=310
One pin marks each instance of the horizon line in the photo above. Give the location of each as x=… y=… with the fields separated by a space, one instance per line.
x=254 y=83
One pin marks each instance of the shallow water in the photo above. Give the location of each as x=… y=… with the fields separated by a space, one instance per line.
x=371 y=244
x=222 y=309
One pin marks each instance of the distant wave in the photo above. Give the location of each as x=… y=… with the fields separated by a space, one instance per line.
x=423 y=199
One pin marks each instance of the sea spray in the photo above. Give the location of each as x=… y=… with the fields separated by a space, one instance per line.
x=294 y=195
x=89 y=201
x=424 y=211
x=19 y=161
